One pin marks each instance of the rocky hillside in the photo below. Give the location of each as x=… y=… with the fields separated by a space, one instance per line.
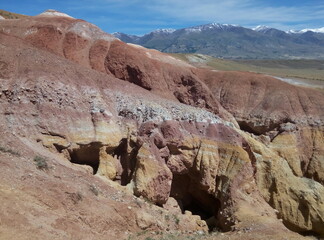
x=104 y=139
x=9 y=15
x=235 y=42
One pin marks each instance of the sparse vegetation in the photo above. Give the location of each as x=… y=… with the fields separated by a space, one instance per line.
x=176 y=219
x=10 y=15
x=75 y=197
x=10 y=151
x=41 y=163
x=142 y=233
x=148 y=235
x=149 y=238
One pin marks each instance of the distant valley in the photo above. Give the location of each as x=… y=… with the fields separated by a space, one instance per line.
x=302 y=72
x=234 y=42
x=297 y=68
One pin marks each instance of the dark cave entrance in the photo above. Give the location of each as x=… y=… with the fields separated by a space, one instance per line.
x=87 y=155
x=126 y=154
x=192 y=198
x=193 y=205
x=247 y=128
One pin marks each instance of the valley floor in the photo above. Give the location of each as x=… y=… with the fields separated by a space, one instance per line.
x=307 y=73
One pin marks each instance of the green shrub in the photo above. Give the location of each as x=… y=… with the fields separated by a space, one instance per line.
x=176 y=219
x=41 y=163
x=149 y=238
x=8 y=150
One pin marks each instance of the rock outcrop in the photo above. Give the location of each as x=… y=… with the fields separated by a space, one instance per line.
x=261 y=104
x=240 y=151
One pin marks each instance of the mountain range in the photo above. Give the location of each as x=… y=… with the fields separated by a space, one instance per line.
x=234 y=42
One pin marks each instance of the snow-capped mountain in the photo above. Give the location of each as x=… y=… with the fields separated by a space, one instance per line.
x=261 y=28
x=164 y=30
x=211 y=26
x=315 y=30
x=234 y=41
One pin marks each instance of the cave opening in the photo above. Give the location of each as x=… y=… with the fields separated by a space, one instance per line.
x=126 y=154
x=191 y=197
x=59 y=148
x=247 y=128
x=86 y=155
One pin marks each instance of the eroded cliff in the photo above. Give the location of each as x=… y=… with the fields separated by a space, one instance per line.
x=240 y=151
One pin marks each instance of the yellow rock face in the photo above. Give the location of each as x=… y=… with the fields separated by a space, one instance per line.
x=107 y=164
x=285 y=145
x=315 y=168
x=299 y=200
x=49 y=140
x=107 y=133
x=152 y=178
x=304 y=152
x=207 y=159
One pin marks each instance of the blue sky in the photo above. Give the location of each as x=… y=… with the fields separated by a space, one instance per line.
x=142 y=16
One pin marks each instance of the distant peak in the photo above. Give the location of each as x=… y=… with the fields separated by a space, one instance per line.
x=316 y=30
x=164 y=30
x=261 y=28
x=54 y=13
x=220 y=25
x=118 y=34
x=211 y=26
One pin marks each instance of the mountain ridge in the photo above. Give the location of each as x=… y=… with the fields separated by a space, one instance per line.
x=222 y=25
x=234 y=41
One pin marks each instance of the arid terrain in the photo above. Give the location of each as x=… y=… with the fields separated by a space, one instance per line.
x=107 y=140
x=301 y=72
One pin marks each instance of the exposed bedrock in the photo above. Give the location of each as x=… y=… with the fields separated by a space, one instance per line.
x=299 y=200
x=303 y=149
x=61 y=87
x=209 y=169
x=85 y=44
x=202 y=171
